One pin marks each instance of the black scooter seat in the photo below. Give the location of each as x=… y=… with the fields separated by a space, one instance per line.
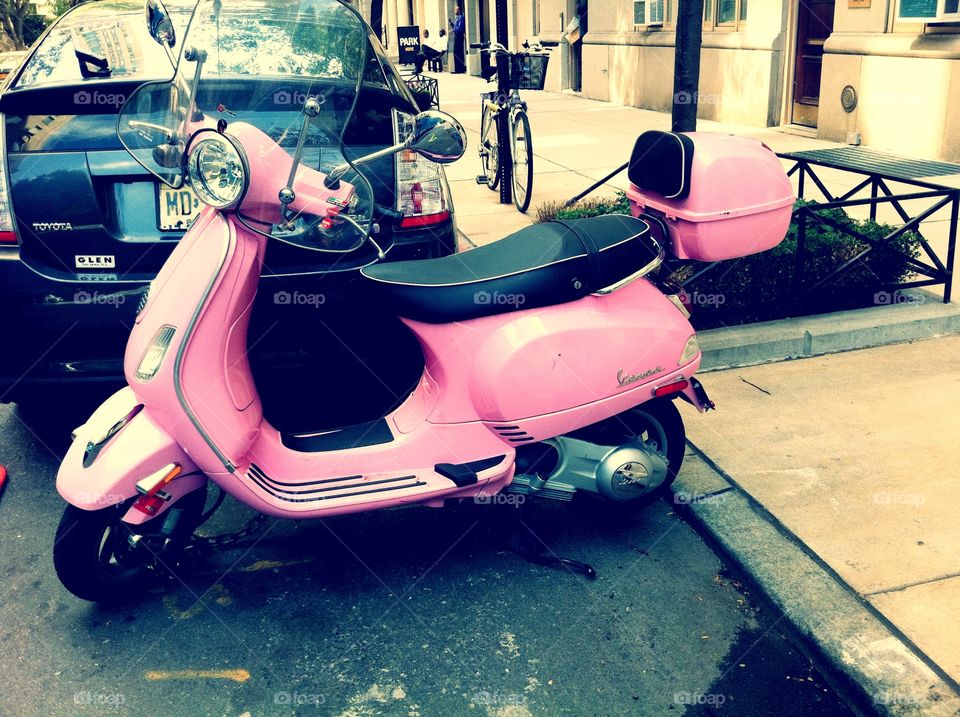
x=540 y=265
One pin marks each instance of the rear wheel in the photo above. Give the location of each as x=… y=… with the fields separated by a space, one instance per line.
x=96 y=560
x=489 y=157
x=658 y=425
x=522 y=144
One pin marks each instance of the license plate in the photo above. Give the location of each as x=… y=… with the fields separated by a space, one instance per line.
x=176 y=208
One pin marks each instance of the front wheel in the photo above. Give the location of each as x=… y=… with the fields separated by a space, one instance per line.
x=96 y=559
x=522 y=142
x=489 y=157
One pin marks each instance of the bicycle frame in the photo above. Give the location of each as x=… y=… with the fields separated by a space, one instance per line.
x=492 y=107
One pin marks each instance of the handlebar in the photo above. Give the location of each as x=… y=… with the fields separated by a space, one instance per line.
x=386 y=215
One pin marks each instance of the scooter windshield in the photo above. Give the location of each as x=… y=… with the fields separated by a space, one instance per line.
x=293 y=70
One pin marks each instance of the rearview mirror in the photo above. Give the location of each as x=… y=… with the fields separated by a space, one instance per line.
x=438 y=137
x=159 y=24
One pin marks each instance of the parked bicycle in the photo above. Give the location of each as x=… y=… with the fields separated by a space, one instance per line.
x=525 y=70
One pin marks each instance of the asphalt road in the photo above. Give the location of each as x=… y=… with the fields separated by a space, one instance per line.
x=412 y=613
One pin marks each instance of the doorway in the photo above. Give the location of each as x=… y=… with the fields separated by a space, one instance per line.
x=576 y=10
x=814 y=25
x=376 y=20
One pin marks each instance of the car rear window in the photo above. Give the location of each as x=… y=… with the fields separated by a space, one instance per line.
x=122 y=40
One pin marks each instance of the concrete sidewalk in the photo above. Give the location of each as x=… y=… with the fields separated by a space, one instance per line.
x=831 y=480
x=852 y=458
x=578 y=141
x=575 y=142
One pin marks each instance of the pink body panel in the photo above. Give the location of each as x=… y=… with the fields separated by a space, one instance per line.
x=205 y=291
x=740 y=200
x=140 y=449
x=524 y=364
x=271 y=164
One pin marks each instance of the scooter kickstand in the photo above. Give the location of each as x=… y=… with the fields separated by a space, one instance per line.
x=525 y=543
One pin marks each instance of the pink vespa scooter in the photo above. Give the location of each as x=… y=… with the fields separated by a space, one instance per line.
x=550 y=360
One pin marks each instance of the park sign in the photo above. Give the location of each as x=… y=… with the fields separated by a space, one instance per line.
x=408 y=42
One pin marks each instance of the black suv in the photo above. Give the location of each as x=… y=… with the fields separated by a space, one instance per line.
x=84 y=228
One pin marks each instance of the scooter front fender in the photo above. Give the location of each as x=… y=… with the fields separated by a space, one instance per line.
x=98 y=473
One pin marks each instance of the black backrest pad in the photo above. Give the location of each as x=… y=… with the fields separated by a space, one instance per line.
x=661 y=162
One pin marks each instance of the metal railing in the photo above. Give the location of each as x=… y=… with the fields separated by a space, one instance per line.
x=939 y=271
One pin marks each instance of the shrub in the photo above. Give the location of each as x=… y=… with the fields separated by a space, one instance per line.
x=763 y=286
x=584 y=208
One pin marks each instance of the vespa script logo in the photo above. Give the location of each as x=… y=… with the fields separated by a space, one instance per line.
x=625 y=379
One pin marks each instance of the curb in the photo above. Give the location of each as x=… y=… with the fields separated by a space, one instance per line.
x=873 y=666
x=919 y=316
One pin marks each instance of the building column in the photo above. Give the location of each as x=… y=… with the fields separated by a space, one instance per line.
x=403 y=13
x=390 y=35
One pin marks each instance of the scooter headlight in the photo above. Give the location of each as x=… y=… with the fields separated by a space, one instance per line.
x=217 y=170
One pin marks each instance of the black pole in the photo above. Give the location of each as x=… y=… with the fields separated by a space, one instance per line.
x=504 y=158
x=686 y=65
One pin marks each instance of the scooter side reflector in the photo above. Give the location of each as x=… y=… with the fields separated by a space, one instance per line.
x=153 y=496
x=152 y=358
x=671 y=388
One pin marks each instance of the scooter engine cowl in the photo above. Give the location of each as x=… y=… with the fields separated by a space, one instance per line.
x=630 y=472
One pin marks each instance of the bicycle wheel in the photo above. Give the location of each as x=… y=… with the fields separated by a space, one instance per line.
x=489 y=159
x=522 y=144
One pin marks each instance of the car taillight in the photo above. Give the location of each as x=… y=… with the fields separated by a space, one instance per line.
x=420 y=194
x=8 y=233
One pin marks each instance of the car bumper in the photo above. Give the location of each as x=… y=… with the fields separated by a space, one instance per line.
x=68 y=332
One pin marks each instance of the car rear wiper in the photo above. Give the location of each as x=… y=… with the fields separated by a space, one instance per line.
x=92 y=65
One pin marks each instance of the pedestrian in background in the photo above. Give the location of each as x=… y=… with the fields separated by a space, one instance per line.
x=458 y=32
x=442 y=46
x=428 y=52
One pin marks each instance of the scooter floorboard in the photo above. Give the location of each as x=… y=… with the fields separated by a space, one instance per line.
x=363 y=492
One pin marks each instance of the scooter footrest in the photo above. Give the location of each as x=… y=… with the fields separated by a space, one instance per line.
x=458 y=473
x=464 y=474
